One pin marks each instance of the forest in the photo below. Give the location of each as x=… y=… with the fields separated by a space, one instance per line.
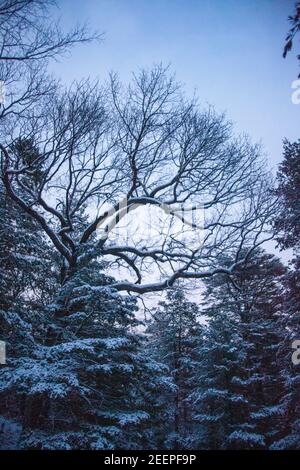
x=182 y=336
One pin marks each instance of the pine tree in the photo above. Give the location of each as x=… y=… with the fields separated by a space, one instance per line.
x=287 y=231
x=27 y=283
x=287 y=221
x=175 y=338
x=289 y=433
x=77 y=376
x=220 y=401
x=240 y=402
x=85 y=381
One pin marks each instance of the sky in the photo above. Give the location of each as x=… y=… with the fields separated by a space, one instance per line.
x=229 y=52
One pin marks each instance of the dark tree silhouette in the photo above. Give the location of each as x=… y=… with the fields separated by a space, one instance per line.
x=295 y=28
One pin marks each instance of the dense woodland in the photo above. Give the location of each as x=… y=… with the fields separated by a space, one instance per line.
x=90 y=364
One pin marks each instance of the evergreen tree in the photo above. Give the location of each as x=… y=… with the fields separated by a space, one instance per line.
x=241 y=377
x=26 y=261
x=287 y=230
x=288 y=436
x=27 y=284
x=86 y=382
x=175 y=339
x=220 y=398
x=287 y=222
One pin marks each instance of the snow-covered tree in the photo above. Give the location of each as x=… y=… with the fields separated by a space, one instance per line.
x=113 y=151
x=27 y=283
x=80 y=374
x=86 y=383
x=175 y=339
x=287 y=231
x=288 y=436
x=287 y=221
x=242 y=387
x=219 y=400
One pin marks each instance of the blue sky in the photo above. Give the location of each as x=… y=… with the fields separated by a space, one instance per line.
x=229 y=51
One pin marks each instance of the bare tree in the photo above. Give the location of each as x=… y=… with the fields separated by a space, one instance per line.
x=29 y=38
x=142 y=146
x=27 y=32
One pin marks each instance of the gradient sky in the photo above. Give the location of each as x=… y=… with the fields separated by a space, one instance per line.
x=228 y=51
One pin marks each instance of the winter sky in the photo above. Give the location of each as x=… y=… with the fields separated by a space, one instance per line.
x=228 y=51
